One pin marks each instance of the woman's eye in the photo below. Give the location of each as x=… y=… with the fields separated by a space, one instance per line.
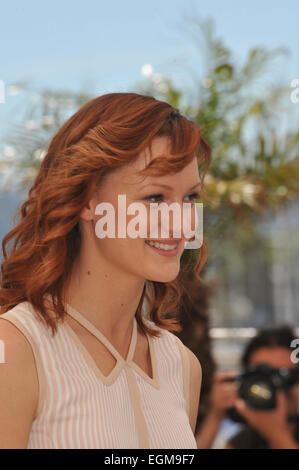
x=193 y=196
x=154 y=197
x=159 y=197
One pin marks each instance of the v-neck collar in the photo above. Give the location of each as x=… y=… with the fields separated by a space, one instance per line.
x=120 y=361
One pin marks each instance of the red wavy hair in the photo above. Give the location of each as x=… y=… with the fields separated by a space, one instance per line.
x=104 y=134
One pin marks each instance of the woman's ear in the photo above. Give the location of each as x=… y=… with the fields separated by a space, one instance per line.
x=88 y=212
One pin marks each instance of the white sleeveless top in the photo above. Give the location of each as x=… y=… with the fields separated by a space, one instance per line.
x=80 y=408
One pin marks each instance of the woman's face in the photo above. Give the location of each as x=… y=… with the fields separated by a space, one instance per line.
x=137 y=256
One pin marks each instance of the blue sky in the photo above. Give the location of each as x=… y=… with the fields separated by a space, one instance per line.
x=101 y=46
x=69 y=42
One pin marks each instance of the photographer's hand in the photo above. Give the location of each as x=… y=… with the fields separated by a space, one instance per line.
x=271 y=424
x=223 y=396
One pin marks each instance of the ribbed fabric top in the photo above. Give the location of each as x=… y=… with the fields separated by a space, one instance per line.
x=80 y=408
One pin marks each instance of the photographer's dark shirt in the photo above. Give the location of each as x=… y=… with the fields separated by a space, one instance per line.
x=249 y=438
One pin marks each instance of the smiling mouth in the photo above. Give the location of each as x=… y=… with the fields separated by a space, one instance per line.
x=170 y=246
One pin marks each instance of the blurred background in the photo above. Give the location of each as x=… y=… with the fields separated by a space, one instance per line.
x=230 y=67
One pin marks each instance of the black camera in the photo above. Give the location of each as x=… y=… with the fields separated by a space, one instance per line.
x=258 y=386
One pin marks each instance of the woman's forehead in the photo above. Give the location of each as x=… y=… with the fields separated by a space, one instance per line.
x=160 y=146
x=129 y=174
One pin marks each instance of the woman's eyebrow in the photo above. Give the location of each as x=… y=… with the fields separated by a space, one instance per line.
x=169 y=187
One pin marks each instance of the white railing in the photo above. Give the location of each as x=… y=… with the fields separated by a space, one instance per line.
x=238 y=333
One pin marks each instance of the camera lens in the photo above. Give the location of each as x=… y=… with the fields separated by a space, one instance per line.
x=258 y=389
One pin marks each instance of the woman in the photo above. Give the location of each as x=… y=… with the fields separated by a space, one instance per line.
x=85 y=367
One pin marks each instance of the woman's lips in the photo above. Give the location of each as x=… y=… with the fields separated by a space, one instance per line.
x=164 y=247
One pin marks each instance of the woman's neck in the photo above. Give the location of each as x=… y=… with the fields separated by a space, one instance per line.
x=106 y=296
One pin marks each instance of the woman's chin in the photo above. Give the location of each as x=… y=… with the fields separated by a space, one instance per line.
x=169 y=276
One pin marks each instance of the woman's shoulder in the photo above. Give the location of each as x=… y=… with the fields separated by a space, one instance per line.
x=163 y=333
x=22 y=311
x=168 y=336
x=13 y=325
x=26 y=318
x=18 y=374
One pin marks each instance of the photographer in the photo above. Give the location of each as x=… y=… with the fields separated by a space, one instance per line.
x=276 y=428
x=262 y=429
